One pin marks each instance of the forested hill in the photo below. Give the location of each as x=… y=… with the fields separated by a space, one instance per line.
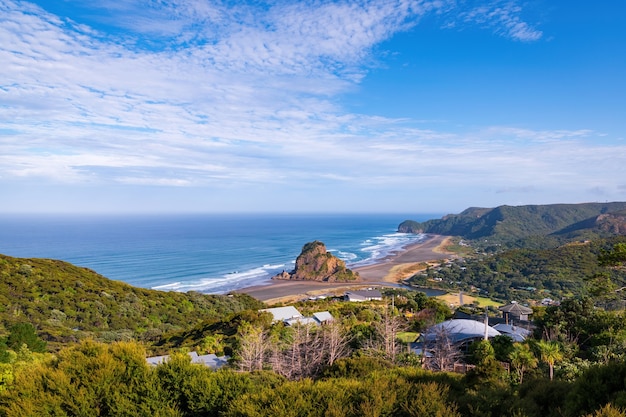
x=507 y=224
x=65 y=303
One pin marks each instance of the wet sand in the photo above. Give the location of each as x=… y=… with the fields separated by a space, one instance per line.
x=387 y=272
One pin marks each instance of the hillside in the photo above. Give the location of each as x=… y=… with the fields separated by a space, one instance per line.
x=67 y=303
x=570 y=270
x=521 y=225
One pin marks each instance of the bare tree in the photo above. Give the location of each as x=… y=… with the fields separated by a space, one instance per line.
x=385 y=342
x=303 y=355
x=252 y=348
x=335 y=342
x=441 y=351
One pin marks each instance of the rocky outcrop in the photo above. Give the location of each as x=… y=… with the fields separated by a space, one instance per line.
x=315 y=263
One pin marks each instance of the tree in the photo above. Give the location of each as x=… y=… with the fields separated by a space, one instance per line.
x=253 y=343
x=616 y=257
x=441 y=350
x=550 y=353
x=335 y=342
x=25 y=333
x=522 y=359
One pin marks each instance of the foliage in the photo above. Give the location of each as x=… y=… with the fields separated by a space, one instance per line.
x=521 y=274
x=525 y=226
x=66 y=303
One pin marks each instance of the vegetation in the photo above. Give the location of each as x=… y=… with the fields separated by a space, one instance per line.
x=528 y=226
x=66 y=303
x=96 y=379
x=74 y=343
x=531 y=274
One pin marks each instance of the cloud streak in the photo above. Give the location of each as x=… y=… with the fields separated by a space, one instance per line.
x=191 y=94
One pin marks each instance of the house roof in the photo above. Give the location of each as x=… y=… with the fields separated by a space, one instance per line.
x=459 y=330
x=518 y=334
x=211 y=360
x=300 y=320
x=364 y=295
x=283 y=313
x=323 y=316
x=516 y=309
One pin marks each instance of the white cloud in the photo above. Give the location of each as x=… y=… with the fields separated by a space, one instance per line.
x=247 y=95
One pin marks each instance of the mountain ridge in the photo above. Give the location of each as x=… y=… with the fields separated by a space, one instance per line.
x=507 y=224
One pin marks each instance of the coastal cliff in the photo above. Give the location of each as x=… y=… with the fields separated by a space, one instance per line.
x=315 y=263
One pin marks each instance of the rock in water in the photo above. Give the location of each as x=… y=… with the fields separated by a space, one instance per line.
x=315 y=263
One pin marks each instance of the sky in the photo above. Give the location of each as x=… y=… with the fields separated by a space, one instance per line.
x=423 y=106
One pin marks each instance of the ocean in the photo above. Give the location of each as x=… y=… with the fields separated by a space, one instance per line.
x=207 y=253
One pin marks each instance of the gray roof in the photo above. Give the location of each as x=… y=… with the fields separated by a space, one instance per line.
x=459 y=330
x=364 y=295
x=516 y=309
x=211 y=360
x=283 y=313
x=323 y=316
x=518 y=334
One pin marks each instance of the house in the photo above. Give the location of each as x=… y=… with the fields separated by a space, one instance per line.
x=459 y=331
x=283 y=313
x=291 y=316
x=362 y=296
x=212 y=361
x=515 y=311
x=322 y=317
x=518 y=334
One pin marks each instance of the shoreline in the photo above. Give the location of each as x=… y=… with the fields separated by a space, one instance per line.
x=389 y=271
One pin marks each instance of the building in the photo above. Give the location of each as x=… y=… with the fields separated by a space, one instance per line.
x=517 y=333
x=211 y=360
x=283 y=313
x=515 y=311
x=459 y=331
x=291 y=316
x=362 y=296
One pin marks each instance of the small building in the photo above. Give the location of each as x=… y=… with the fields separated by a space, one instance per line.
x=211 y=360
x=291 y=316
x=515 y=311
x=283 y=313
x=363 y=295
x=323 y=317
x=460 y=331
x=517 y=333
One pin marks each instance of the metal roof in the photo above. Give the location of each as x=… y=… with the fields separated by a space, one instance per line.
x=459 y=330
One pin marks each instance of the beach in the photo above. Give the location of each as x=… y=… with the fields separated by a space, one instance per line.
x=389 y=271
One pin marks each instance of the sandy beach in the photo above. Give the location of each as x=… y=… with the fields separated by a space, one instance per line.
x=388 y=271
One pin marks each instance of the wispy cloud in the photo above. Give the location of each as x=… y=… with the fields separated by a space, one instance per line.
x=246 y=94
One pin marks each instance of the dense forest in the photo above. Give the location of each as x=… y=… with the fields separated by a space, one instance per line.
x=571 y=270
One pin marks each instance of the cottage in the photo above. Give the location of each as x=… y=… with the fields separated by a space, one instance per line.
x=362 y=296
x=515 y=311
x=283 y=313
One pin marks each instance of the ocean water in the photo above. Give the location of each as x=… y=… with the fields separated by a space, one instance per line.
x=206 y=253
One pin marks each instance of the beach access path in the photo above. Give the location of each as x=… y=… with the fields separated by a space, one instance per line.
x=386 y=272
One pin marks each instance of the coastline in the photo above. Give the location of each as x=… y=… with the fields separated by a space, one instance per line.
x=388 y=271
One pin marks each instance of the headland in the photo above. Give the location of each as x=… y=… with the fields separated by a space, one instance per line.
x=388 y=271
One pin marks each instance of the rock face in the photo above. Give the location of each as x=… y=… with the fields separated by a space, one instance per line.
x=316 y=264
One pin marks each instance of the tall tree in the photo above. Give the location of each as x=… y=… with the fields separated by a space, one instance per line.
x=253 y=344
x=522 y=359
x=550 y=353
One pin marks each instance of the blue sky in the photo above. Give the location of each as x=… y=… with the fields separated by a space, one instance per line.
x=314 y=106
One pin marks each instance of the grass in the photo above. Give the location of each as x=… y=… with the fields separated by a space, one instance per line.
x=453 y=299
x=407 y=337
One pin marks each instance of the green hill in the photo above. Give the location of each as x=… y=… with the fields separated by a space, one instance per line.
x=510 y=224
x=67 y=303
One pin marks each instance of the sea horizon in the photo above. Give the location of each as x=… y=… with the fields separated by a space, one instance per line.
x=209 y=253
